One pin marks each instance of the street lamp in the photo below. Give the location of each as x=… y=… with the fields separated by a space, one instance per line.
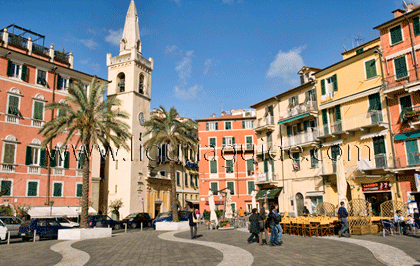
x=51 y=203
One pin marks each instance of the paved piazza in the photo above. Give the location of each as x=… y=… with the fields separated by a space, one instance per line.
x=217 y=247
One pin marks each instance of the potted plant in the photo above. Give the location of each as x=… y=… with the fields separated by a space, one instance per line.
x=225 y=223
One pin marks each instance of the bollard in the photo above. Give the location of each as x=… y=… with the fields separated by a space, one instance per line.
x=8 y=238
x=108 y=225
x=34 y=235
x=125 y=228
x=141 y=227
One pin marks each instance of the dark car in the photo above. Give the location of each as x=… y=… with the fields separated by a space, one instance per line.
x=167 y=217
x=135 y=220
x=45 y=228
x=103 y=221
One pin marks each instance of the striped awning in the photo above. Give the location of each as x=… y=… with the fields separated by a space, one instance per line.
x=291 y=119
x=332 y=143
x=374 y=134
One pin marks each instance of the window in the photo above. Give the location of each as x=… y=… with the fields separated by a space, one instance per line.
x=16 y=70
x=370 y=67
x=196 y=181
x=416 y=26
x=228 y=141
x=214 y=186
x=186 y=179
x=359 y=51
x=212 y=126
x=229 y=166
x=9 y=151
x=192 y=180
x=248 y=124
x=60 y=158
x=329 y=85
x=33 y=155
x=296 y=161
x=314 y=158
x=121 y=82
x=162 y=173
x=58 y=189
x=249 y=142
x=268 y=165
x=41 y=77
x=228 y=125
x=212 y=142
x=32 y=189
x=400 y=66
x=231 y=186
x=6 y=188
x=251 y=187
x=79 y=190
x=396 y=35
x=13 y=105
x=293 y=101
x=178 y=178
x=213 y=167
x=380 y=152
x=38 y=110
x=141 y=84
x=80 y=160
x=250 y=167
x=62 y=83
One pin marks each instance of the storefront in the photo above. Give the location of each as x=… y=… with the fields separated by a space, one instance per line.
x=269 y=196
x=314 y=197
x=377 y=193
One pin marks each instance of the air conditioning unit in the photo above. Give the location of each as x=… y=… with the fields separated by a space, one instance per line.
x=364 y=164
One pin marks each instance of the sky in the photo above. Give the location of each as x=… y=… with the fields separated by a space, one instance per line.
x=209 y=55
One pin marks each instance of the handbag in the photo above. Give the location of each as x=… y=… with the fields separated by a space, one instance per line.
x=194 y=220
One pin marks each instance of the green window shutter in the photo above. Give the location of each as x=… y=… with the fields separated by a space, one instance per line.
x=79 y=190
x=28 y=159
x=81 y=160
x=213 y=167
x=57 y=189
x=250 y=165
x=323 y=91
x=66 y=159
x=248 y=140
x=335 y=84
x=375 y=102
x=359 y=51
x=396 y=34
x=59 y=84
x=251 y=187
x=207 y=126
x=217 y=126
x=214 y=187
x=233 y=140
x=9 y=153
x=231 y=187
x=224 y=141
x=289 y=130
x=38 y=110
x=371 y=69
x=32 y=189
x=229 y=166
x=337 y=113
x=325 y=121
x=25 y=73
x=9 y=68
x=305 y=126
x=42 y=157
x=314 y=161
x=243 y=124
x=53 y=159
x=6 y=188
x=265 y=166
x=13 y=105
x=299 y=127
x=186 y=179
x=400 y=67
x=212 y=142
x=416 y=26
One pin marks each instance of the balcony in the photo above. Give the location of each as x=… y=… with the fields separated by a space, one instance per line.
x=356 y=123
x=409 y=160
x=411 y=115
x=403 y=80
x=379 y=161
x=8 y=168
x=34 y=170
x=308 y=107
x=40 y=50
x=18 y=41
x=12 y=119
x=303 y=139
x=62 y=57
x=265 y=123
x=328 y=168
x=58 y=172
x=79 y=173
x=37 y=123
x=266 y=148
x=266 y=178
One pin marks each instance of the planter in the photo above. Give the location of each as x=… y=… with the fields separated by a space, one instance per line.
x=84 y=233
x=172 y=226
x=227 y=225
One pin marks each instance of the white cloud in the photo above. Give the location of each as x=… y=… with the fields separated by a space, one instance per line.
x=187 y=94
x=89 y=43
x=184 y=67
x=170 y=49
x=114 y=36
x=93 y=67
x=207 y=64
x=178 y=2
x=286 y=65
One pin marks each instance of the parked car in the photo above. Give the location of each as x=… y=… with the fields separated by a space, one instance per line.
x=12 y=223
x=3 y=231
x=64 y=221
x=134 y=220
x=45 y=228
x=167 y=217
x=103 y=221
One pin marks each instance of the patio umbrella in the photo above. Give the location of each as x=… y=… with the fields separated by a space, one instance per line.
x=213 y=216
x=341 y=181
x=254 y=200
x=228 y=213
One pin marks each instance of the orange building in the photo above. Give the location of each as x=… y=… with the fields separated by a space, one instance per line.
x=32 y=76
x=400 y=42
x=226 y=158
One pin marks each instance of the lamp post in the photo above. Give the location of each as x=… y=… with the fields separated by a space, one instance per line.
x=51 y=203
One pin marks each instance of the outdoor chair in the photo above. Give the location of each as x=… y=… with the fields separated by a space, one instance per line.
x=387 y=225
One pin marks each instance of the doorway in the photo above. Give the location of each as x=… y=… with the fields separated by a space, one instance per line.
x=157 y=209
x=299 y=204
x=376 y=199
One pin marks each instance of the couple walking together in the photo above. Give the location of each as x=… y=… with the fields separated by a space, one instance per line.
x=259 y=224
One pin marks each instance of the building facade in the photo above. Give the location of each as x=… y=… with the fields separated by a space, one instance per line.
x=400 y=41
x=227 y=158
x=32 y=76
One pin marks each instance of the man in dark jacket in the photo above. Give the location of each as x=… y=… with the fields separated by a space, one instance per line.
x=254 y=219
x=193 y=224
x=263 y=220
x=342 y=215
x=274 y=220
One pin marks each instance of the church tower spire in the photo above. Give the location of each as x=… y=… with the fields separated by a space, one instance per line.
x=131 y=34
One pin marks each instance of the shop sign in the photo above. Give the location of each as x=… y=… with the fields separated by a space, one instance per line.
x=216 y=203
x=377 y=186
x=262 y=177
x=417 y=178
x=411 y=198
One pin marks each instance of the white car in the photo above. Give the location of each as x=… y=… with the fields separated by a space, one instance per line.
x=3 y=231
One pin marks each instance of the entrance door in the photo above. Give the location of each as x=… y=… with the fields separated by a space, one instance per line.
x=157 y=209
x=376 y=199
x=412 y=149
x=379 y=151
x=299 y=204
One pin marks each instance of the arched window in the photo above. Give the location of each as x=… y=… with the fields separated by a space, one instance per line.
x=141 y=84
x=121 y=82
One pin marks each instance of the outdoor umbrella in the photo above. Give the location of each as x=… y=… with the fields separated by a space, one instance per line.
x=228 y=213
x=341 y=181
x=213 y=216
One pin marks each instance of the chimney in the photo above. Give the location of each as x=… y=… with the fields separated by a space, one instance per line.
x=223 y=113
x=213 y=115
x=232 y=111
x=398 y=13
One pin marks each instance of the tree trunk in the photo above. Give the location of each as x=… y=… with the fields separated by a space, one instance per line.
x=174 y=202
x=85 y=188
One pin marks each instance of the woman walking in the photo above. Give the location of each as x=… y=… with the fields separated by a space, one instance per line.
x=254 y=219
x=193 y=224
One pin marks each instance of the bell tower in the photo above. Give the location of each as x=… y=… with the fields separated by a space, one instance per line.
x=130 y=75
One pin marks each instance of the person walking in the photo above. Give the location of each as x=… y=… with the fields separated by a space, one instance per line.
x=276 y=230
x=263 y=224
x=254 y=229
x=342 y=215
x=193 y=224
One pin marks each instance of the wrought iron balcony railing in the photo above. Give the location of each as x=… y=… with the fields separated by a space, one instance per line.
x=18 y=41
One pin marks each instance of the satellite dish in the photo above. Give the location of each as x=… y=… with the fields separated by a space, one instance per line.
x=405 y=5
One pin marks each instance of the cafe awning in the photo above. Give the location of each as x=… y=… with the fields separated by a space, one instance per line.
x=408 y=135
x=292 y=119
x=91 y=211
x=44 y=212
x=269 y=193
x=374 y=134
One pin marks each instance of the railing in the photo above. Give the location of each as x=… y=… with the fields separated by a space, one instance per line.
x=61 y=57
x=328 y=167
x=401 y=79
x=58 y=171
x=121 y=85
x=266 y=121
x=127 y=57
x=299 y=109
x=79 y=173
x=12 y=119
x=356 y=122
x=265 y=148
x=378 y=161
x=309 y=136
x=34 y=169
x=37 y=123
x=18 y=41
x=40 y=50
x=410 y=113
x=267 y=177
x=408 y=160
x=7 y=168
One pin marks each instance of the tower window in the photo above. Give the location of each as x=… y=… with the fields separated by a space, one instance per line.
x=121 y=82
x=141 y=84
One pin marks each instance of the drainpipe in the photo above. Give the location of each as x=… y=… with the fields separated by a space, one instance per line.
x=413 y=51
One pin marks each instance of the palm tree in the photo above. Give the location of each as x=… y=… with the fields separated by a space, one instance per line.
x=168 y=128
x=92 y=121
